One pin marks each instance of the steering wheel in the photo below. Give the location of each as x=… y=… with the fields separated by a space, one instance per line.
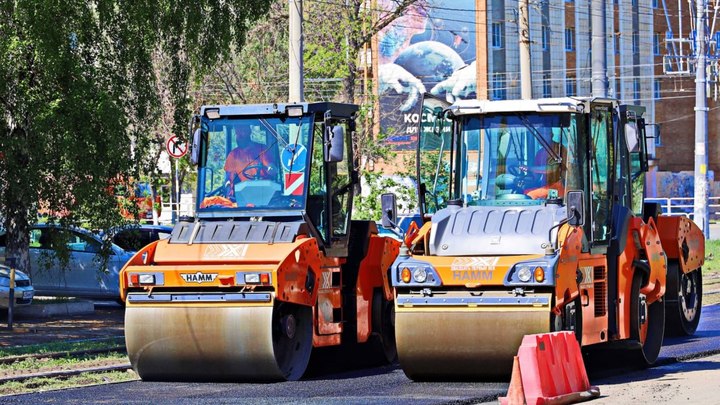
x=524 y=177
x=258 y=168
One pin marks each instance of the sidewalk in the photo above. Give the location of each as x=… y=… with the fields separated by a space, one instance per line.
x=102 y=323
x=688 y=382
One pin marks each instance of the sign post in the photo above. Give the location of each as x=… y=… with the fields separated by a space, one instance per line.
x=12 y=263
x=176 y=148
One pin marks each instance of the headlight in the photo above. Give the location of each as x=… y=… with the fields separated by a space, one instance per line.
x=524 y=273
x=420 y=275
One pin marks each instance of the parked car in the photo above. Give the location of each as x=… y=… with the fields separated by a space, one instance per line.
x=24 y=290
x=84 y=275
x=134 y=237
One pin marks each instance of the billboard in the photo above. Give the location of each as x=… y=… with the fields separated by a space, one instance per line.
x=430 y=48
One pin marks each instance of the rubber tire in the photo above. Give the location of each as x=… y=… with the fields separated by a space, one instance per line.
x=650 y=345
x=678 y=321
x=383 y=324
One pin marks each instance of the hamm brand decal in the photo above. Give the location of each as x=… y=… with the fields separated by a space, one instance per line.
x=473 y=268
x=199 y=277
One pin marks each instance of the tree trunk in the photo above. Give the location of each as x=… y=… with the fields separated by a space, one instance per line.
x=17 y=226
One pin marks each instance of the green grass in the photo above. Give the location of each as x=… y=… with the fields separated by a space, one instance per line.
x=61 y=347
x=712 y=256
x=46 y=384
x=35 y=365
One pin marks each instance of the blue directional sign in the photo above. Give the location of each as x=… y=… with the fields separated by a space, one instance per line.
x=294 y=157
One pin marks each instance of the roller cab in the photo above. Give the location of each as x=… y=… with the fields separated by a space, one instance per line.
x=534 y=222
x=272 y=265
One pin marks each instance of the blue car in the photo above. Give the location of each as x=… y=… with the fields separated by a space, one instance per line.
x=85 y=275
x=134 y=237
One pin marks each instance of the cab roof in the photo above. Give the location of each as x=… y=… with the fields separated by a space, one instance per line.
x=560 y=104
x=340 y=110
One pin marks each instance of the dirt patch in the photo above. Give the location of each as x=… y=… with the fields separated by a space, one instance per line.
x=711 y=287
x=102 y=323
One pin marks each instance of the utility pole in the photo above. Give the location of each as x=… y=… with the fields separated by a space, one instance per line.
x=701 y=120
x=296 y=92
x=524 y=28
x=599 y=54
x=685 y=54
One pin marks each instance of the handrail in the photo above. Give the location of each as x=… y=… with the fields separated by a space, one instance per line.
x=686 y=206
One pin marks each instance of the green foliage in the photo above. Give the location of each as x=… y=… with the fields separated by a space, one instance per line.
x=367 y=206
x=79 y=95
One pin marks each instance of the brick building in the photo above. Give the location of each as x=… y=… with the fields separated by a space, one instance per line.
x=560 y=34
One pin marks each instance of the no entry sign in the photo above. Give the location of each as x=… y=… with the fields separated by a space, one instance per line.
x=176 y=147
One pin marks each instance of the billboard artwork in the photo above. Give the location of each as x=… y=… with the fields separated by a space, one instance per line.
x=430 y=48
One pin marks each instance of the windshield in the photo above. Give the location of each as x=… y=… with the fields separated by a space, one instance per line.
x=254 y=164
x=519 y=158
x=499 y=159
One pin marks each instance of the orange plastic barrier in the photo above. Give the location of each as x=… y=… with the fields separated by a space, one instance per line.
x=549 y=369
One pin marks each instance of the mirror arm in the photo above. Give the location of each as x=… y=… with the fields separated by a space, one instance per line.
x=554 y=245
x=395 y=226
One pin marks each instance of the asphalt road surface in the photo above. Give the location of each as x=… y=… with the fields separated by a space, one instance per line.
x=379 y=385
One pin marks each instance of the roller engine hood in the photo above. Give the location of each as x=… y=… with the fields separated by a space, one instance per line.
x=493 y=230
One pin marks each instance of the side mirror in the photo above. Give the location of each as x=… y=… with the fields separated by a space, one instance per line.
x=389 y=210
x=195 y=148
x=334 y=143
x=632 y=140
x=575 y=208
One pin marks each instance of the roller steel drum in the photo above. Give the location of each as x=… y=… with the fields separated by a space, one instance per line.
x=203 y=343
x=464 y=343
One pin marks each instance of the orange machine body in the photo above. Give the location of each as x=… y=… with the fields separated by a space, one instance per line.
x=297 y=273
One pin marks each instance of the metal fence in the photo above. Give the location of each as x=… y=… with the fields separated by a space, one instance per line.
x=686 y=205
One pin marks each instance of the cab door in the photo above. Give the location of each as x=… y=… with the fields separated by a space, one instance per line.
x=434 y=156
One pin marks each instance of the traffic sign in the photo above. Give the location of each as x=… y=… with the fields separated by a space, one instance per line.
x=294 y=157
x=176 y=147
x=294 y=183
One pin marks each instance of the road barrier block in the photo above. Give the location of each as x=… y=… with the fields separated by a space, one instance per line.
x=549 y=370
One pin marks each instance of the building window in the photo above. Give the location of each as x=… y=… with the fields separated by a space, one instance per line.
x=655 y=3
x=616 y=42
x=635 y=42
x=656 y=43
x=569 y=39
x=499 y=92
x=570 y=87
x=658 y=139
x=547 y=85
x=636 y=89
x=497 y=35
x=545 y=37
x=656 y=89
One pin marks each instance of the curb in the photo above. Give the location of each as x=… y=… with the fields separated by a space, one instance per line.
x=56 y=309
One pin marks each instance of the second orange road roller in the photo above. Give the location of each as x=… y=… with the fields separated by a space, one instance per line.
x=535 y=222
x=272 y=265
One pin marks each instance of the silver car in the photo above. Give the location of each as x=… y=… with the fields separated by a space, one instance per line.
x=24 y=291
x=84 y=275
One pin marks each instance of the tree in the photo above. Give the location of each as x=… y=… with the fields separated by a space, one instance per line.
x=79 y=97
